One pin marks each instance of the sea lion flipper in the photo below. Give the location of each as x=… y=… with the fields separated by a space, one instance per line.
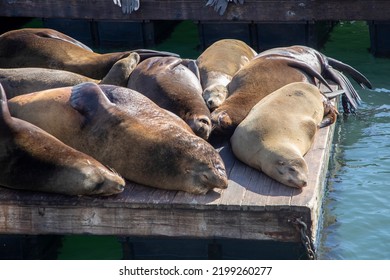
x=309 y=70
x=192 y=65
x=88 y=98
x=121 y=70
x=4 y=111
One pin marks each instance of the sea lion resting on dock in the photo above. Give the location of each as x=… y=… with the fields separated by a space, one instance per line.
x=273 y=69
x=17 y=81
x=31 y=159
x=217 y=66
x=169 y=83
x=278 y=132
x=125 y=130
x=48 y=48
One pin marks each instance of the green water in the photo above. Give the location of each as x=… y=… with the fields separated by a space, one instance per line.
x=357 y=202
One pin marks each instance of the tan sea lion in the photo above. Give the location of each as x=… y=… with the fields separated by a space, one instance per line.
x=31 y=159
x=172 y=86
x=217 y=66
x=17 y=81
x=47 y=48
x=278 y=132
x=127 y=131
x=267 y=73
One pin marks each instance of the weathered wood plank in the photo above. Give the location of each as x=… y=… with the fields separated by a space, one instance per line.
x=251 y=10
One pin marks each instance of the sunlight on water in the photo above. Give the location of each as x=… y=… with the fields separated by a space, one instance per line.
x=357 y=202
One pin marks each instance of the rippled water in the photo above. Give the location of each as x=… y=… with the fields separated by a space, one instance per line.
x=357 y=202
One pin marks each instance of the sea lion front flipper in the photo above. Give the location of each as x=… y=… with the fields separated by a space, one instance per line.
x=88 y=98
x=192 y=65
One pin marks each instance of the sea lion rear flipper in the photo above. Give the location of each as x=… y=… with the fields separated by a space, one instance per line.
x=88 y=98
x=351 y=98
x=308 y=70
x=355 y=74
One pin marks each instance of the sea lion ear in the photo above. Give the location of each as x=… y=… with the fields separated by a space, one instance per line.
x=88 y=98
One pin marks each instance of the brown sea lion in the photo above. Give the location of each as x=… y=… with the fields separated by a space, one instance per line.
x=17 y=81
x=269 y=72
x=31 y=159
x=217 y=66
x=172 y=86
x=47 y=48
x=328 y=67
x=128 y=132
x=278 y=132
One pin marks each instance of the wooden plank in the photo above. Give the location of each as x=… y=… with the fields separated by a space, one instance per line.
x=251 y=10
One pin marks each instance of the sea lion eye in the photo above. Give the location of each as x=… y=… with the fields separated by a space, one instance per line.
x=292 y=170
x=281 y=163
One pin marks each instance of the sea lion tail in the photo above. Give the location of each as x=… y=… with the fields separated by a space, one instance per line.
x=355 y=74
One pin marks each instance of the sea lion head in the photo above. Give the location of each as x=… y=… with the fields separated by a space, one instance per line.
x=200 y=125
x=99 y=180
x=207 y=173
x=215 y=95
x=287 y=166
x=222 y=122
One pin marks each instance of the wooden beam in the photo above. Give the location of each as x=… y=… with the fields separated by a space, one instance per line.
x=251 y=10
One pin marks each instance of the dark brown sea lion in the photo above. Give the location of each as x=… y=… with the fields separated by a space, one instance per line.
x=268 y=72
x=172 y=86
x=47 y=48
x=217 y=66
x=278 y=132
x=128 y=132
x=31 y=159
x=17 y=81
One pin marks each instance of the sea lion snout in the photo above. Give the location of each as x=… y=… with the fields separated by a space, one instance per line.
x=99 y=180
x=214 y=96
x=201 y=125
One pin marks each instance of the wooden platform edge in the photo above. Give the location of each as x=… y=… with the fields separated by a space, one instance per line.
x=251 y=10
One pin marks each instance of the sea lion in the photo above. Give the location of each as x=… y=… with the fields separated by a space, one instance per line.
x=31 y=159
x=17 y=81
x=268 y=72
x=128 y=132
x=47 y=48
x=278 y=132
x=217 y=66
x=328 y=67
x=174 y=87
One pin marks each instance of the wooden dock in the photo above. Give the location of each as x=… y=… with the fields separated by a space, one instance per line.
x=253 y=207
x=251 y=10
